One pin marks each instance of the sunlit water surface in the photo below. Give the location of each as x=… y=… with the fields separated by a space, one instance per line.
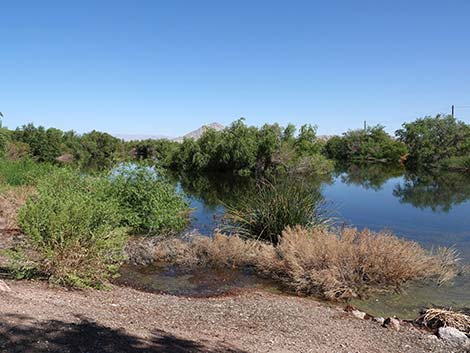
x=432 y=210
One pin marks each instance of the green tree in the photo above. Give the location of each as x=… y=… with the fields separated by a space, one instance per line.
x=99 y=149
x=239 y=147
x=373 y=144
x=44 y=145
x=307 y=142
x=269 y=141
x=4 y=138
x=431 y=140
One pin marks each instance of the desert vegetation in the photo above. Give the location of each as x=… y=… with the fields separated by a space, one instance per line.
x=82 y=196
x=439 y=142
x=334 y=265
x=76 y=225
x=73 y=231
x=149 y=203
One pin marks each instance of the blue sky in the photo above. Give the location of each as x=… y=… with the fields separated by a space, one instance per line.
x=167 y=67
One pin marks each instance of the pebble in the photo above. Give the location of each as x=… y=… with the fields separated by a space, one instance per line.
x=379 y=319
x=359 y=314
x=453 y=336
x=392 y=323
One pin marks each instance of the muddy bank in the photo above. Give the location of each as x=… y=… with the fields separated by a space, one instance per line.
x=35 y=317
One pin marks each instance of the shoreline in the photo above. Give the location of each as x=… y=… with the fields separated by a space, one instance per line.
x=37 y=317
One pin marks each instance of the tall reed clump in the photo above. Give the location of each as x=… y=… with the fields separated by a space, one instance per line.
x=274 y=206
x=333 y=266
x=73 y=231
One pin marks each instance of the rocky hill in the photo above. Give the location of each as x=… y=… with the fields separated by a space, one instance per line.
x=198 y=132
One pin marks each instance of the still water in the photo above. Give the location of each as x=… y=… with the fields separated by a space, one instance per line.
x=433 y=210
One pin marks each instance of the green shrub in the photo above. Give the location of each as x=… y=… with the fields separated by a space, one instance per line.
x=22 y=172
x=73 y=231
x=149 y=204
x=275 y=206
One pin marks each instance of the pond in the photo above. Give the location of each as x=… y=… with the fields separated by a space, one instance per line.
x=433 y=210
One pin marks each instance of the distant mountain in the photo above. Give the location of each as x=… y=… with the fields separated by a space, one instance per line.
x=139 y=137
x=198 y=133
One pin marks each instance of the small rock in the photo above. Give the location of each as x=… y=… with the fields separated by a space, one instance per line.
x=379 y=319
x=392 y=323
x=453 y=336
x=4 y=287
x=359 y=314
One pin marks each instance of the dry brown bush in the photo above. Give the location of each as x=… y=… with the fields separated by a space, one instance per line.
x=350 y=263
x=435 y=318
x=316 y=262
x=11 y=201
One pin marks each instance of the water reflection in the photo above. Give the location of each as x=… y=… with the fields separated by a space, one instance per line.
x=208 y=193
x=439 y=192
x=368 y=176
x=215 y=189
x=430 y=209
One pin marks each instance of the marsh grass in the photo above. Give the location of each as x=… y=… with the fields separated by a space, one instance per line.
x=274 y=206
x=333 y=266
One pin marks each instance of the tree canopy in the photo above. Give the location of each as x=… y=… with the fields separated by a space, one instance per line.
x=372 y=144
x=432 y=140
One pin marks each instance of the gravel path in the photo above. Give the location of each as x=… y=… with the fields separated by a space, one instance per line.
x=38 y=318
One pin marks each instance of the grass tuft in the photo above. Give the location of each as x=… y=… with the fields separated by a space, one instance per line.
x=275 y=206
x=434 y=318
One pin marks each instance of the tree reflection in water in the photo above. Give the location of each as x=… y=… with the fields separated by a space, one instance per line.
x=439 y=192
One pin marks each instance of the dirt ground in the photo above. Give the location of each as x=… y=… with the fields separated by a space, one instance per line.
x=38 y=318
